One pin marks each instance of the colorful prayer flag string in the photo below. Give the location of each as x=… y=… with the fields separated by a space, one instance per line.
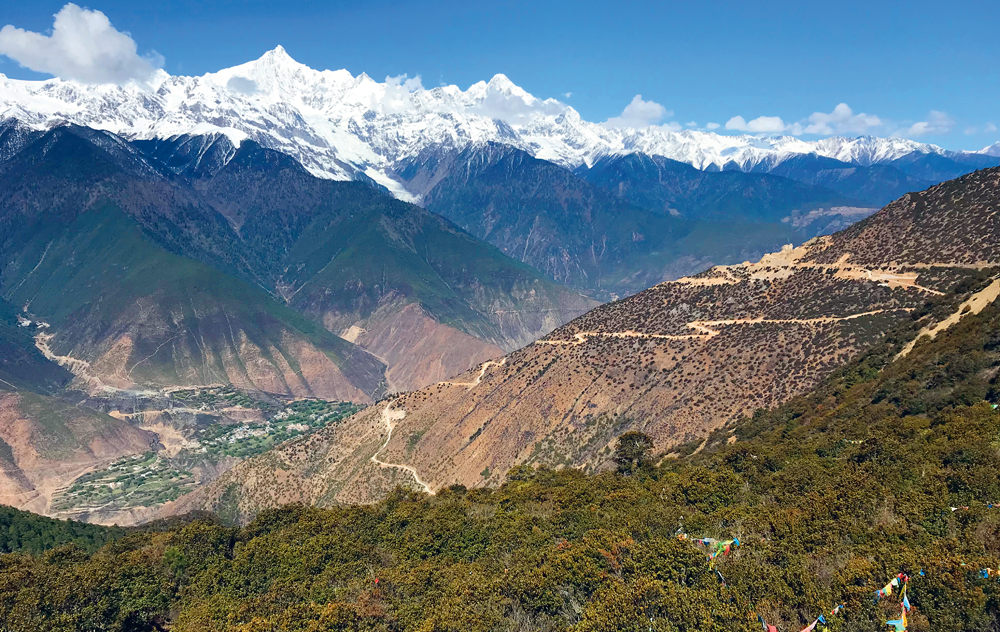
x=898 y=624
x=767 y=628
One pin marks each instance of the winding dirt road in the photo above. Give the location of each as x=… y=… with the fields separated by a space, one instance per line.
x=389 y=416
x=479 y=378
x=707 y=328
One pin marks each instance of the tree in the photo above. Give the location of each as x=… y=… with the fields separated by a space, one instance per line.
x=631 y=451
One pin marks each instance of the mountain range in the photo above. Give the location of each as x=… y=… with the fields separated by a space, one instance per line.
x=124 y=277
x=288 y=235
x=346 y=127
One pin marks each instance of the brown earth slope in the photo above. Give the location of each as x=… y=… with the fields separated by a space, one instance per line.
x=404 y=284
x=676 y=361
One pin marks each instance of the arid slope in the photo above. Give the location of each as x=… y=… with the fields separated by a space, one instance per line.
x=676 y=361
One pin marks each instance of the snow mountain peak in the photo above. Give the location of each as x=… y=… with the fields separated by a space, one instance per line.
x=343 y=126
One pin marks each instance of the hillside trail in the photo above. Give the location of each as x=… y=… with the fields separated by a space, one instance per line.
x=782 y=264
x=707 y=327
x=973 y=305
x=389 y=416
x=479 y=378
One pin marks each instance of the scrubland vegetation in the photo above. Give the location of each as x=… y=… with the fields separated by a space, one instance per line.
x=830 y=496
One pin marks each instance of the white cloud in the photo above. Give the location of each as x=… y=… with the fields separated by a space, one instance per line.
x=396 y=98
x=842 y=120
x=514 y=108
x=243 y=85
x=759 y=125
x=711 y=126
x=691 y=124
x=83 y=46
x=989 y=128
x=404 y=81
x=937 y=123
x=640 y=113
x=567 y=95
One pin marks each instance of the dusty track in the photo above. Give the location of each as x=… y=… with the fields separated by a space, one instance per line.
x=707 y=328
x=783 y=263
x=79 y=368
x=479 y=378
x=389 y=416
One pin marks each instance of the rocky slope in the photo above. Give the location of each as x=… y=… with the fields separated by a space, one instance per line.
x=118 y=310
x=45 y=443
x=389 y=275
x=676 y=361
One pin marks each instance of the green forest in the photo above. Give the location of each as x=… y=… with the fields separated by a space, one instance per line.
x=889 y=468
x=23 y=531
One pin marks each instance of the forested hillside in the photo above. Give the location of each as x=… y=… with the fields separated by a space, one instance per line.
x=23 y=531
x=888 y=470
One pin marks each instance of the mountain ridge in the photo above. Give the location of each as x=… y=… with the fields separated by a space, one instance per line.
x=581 y=234
x=341 y=126
x=263 y=219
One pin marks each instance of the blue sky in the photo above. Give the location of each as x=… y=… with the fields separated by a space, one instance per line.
x=923 y=69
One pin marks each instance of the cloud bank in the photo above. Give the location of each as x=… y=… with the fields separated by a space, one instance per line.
x=640 y=113
x=759 y=125
x=842 y=121
x=83 y=46
x=936 y=123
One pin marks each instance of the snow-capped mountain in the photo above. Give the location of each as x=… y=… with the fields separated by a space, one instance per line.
x=340 y=126
x=992 y=150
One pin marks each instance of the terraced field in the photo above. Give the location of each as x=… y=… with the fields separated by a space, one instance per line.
x=196 y=452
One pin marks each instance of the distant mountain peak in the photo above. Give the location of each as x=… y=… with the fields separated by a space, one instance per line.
x=501 y=82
